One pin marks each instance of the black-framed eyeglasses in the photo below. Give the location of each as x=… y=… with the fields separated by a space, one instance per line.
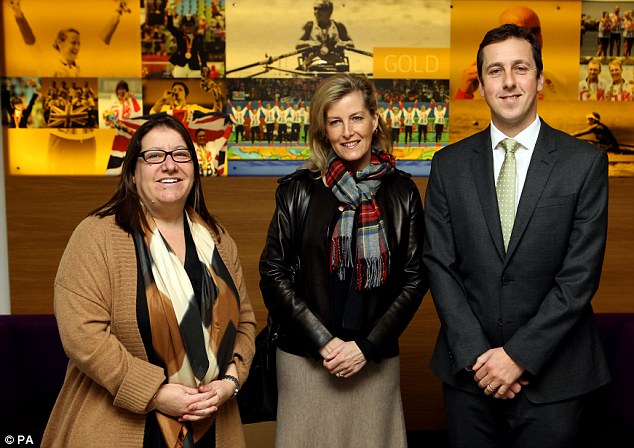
x=156 y=156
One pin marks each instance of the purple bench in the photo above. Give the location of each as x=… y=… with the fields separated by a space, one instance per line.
x=617 y=335
x=32 y=373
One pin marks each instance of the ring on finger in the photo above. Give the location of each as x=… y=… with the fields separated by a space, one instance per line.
x=340 y=375
x=491 y=388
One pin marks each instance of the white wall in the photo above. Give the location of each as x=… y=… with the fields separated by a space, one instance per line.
x=5 y=299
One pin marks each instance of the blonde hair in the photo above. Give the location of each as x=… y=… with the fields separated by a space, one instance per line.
x=62 y=35
x=329 y=91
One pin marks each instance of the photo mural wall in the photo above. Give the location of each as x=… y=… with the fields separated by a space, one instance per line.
x=79 y=78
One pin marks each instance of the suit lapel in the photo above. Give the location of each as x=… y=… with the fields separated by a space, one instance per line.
x=539 y=170
x=482 y=172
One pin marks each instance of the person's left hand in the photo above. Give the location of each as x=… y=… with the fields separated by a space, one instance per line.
x=496 y=373
x=345 y=360
x=221 y=391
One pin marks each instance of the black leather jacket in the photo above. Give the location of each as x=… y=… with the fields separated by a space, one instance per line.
x=305 y=308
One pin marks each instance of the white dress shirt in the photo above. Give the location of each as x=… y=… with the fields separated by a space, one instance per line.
x=527 y=139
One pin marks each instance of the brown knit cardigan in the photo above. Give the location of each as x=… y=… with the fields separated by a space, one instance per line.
x=109 y=382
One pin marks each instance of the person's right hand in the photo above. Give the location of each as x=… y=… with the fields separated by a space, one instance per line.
x=175 y=399
x=469 y=82
x=168 y=95
x=497 y=374
x=329 y=346
x=345 y=360
x=123 y=7
x=512 y=391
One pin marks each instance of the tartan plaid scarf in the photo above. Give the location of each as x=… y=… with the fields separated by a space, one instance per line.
x=357 y=191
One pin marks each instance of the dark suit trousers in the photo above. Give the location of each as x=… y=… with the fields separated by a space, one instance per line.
x=480 y=421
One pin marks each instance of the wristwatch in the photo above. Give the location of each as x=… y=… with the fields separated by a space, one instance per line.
x=235 y=381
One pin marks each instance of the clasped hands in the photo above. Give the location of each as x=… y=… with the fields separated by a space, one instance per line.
x=342 y=359
x=498 y=375
x=193 y=404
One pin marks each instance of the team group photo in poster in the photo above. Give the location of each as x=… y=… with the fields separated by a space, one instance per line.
x=74 y=89
x=270 y=117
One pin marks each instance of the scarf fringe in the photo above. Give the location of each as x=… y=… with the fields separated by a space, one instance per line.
x=372 y=272
x=341 y=256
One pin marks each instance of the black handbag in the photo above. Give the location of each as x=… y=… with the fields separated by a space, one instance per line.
x=257 y=399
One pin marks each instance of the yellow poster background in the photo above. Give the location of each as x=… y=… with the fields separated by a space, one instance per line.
x=121 y=58
x=52 y=151
x=411 y=63
x=470 y=20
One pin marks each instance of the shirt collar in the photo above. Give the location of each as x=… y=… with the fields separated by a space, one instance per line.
x=527 y=138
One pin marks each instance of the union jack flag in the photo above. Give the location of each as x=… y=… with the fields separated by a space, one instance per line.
x=68 y=116
x=216 y=125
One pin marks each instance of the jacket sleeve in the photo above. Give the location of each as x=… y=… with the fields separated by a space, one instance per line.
x=170 y=26
x=464 y=333
x=578 y=279
x=285 y=304
x=84 y=307
x=413 y=278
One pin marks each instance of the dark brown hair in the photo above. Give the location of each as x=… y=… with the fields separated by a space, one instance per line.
x=505 y=32
x=125 y=204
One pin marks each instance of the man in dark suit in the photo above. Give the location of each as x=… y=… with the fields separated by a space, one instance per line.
x=514 y=263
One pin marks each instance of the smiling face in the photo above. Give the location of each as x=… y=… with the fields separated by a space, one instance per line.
x=69 y=47
x=616 y=72
x=594 y=69
x=201 y=137
x=510 y=84
x=349 y=128
x=164 y=185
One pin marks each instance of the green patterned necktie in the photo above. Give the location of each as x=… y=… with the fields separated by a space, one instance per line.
x=506 y=189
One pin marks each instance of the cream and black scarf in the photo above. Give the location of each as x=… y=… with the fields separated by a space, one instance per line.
x=193 y=338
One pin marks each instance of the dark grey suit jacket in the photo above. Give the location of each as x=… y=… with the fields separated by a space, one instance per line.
x=534 y=300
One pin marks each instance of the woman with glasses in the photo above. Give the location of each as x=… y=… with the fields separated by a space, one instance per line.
x=152 y=310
